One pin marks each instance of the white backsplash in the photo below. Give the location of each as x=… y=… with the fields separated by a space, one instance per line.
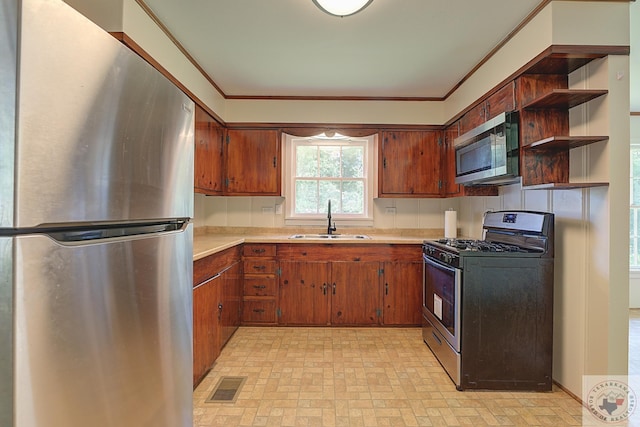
x=265 y=212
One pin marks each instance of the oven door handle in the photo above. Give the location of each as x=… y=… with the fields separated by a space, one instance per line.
x=438 y=264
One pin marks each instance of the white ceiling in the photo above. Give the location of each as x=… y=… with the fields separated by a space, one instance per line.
x=394 y=48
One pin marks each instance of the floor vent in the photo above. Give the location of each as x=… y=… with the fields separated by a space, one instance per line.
x=227 y=389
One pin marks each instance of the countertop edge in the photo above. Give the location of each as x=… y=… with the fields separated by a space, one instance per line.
x=208 y=244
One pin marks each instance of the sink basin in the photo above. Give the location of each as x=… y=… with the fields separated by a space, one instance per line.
x=330 y=236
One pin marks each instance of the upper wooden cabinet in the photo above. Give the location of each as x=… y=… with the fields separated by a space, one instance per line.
x=448 y=172
x=504 y=99
x=409 y=164
x=208 y=165
x=252 y=162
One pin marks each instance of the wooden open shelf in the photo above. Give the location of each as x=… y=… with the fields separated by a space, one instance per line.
x=564 y=98
x=565 y=142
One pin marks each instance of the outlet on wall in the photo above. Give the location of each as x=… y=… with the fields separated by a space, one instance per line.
x=390 y=210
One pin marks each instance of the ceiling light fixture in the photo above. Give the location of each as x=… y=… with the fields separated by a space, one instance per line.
x=342 y=8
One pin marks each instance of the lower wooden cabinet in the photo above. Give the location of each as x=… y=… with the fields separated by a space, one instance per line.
x=402 y=293
x=349 y=285
x=206 y=326
x=217 y=300
x=355 y=293
x=260 y=284
x=304 y=293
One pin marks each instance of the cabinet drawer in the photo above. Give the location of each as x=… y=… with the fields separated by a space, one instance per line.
x=260 y=286
x=259 y=266
x=253 y=249
x=259 y=311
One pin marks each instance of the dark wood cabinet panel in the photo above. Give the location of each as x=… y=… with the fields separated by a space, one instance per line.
x=260 y=284
x=217 y=302
x=206 y=338
x=230 y=308
x=502 y=100
x=262 y=312
x=544 y=132
x=355 y=293
x=252 y=162
x=409 y=164
x=304 y=293
x=339 y=284
x=402 y=293
x=208 y=164
x=449 y=186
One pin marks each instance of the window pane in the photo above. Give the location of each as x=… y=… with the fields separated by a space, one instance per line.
x=353 y=197
x=329 y=162
x=306 y=196
x=635 y=162
x=329 y=190
x=352 y=162
x=306 y=161
x=632 y=222
x=635 y=188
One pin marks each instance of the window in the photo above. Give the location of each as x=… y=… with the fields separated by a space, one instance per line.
x=332 y=168
x=634 y=214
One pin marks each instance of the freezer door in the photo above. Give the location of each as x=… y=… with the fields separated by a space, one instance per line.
x=103 y=332
x=101 y=135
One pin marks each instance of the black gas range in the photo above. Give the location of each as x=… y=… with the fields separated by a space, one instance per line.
x=488 y=303
x=505 y=233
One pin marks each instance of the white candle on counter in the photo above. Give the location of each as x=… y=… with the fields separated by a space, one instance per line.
x=450 y=224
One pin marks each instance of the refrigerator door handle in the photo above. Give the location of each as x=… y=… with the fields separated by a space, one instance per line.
x=84 y=234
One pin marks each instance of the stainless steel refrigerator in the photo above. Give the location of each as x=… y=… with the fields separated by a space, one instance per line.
x=96 y=200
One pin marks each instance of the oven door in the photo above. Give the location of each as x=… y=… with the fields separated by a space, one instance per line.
x=441 y=299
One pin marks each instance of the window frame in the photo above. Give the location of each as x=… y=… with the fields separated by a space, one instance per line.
x=370 y=178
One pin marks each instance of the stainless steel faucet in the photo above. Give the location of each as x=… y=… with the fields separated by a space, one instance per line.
x=330 y=229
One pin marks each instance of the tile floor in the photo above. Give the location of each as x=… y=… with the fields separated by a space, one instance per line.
x=361 y=377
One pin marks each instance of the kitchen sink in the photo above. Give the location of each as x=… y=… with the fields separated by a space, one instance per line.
x=330 y=236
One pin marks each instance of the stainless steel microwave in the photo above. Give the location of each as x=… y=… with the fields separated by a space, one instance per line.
x=488 y=154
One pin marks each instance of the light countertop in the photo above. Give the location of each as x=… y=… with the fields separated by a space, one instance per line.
x=211 y=240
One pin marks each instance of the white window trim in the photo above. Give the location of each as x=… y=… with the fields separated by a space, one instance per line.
x=320 y=220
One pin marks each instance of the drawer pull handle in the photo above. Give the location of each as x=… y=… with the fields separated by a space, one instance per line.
x=258 y=310
x=334 y=288
x=259 y=267
x=258 y=251
x=386 y=289
x=259 y=286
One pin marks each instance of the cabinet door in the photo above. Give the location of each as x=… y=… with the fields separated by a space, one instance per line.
x=208 y=166
x=473 y=118
x=355 y=289
x=232 y=283
x=449 y=186
x=253 y=162
x=503 y=100
x=304 y=293
x=410 y=163
x=402 y=293
x=206 y=330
